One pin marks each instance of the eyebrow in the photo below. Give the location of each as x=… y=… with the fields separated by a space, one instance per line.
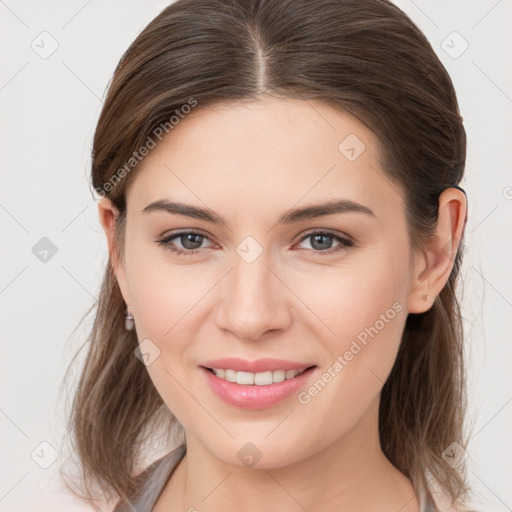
x=288 y=217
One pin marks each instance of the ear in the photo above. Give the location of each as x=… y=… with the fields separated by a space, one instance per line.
x=109 y=215
x=432 y=267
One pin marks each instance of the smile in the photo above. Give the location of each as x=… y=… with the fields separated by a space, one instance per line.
x=258 y=390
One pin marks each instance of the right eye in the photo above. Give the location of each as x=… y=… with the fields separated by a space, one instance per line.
x=191 y=242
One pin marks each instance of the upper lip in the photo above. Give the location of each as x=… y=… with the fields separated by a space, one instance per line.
x=257 y=366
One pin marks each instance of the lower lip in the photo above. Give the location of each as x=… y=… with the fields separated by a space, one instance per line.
x=255 y=397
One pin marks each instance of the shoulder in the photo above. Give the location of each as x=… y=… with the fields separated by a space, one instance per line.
x=150 y=482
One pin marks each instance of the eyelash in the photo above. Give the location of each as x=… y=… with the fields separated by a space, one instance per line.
x=166 y=242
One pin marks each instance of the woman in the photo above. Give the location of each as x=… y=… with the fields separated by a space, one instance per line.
x=278 y=189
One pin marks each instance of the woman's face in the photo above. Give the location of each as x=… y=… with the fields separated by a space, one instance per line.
x=268 y=282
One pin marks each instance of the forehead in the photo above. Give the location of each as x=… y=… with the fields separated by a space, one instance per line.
x=263 y=153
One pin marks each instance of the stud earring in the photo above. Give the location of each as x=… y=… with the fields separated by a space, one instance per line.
x=129 y=323
x=427 y=296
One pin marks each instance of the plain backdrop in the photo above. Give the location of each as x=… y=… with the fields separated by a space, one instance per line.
x=57 y=58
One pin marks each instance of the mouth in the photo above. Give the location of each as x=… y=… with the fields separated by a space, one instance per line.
x=257 y=390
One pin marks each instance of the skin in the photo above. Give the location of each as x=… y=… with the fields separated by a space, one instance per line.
x=250 y=162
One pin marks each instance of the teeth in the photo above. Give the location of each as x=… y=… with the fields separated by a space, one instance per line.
x=258 y=379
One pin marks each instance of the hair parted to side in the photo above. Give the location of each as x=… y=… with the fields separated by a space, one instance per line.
x=365 y=57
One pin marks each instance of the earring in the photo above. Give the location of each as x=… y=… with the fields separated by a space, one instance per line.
x=427 y=296
x=129 y=323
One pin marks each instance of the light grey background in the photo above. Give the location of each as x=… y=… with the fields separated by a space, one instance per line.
x=49 y=107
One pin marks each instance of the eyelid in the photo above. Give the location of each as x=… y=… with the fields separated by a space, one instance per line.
x=172 y=232
x=325 y=231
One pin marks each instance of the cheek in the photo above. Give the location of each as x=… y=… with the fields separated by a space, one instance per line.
x=166 y=298
x=169 y=311
x=361 y=357
x=163 y=292
x=367 y=290
x=362 y=312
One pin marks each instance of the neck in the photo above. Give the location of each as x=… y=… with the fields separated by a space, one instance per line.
x=349 y=474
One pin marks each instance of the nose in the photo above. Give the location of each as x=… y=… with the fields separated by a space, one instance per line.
x=254 y=301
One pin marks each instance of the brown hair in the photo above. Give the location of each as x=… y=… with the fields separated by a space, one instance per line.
x=364 y=57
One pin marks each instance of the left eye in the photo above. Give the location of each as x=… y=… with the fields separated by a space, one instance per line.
x=322 y=241
x=191 y=241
